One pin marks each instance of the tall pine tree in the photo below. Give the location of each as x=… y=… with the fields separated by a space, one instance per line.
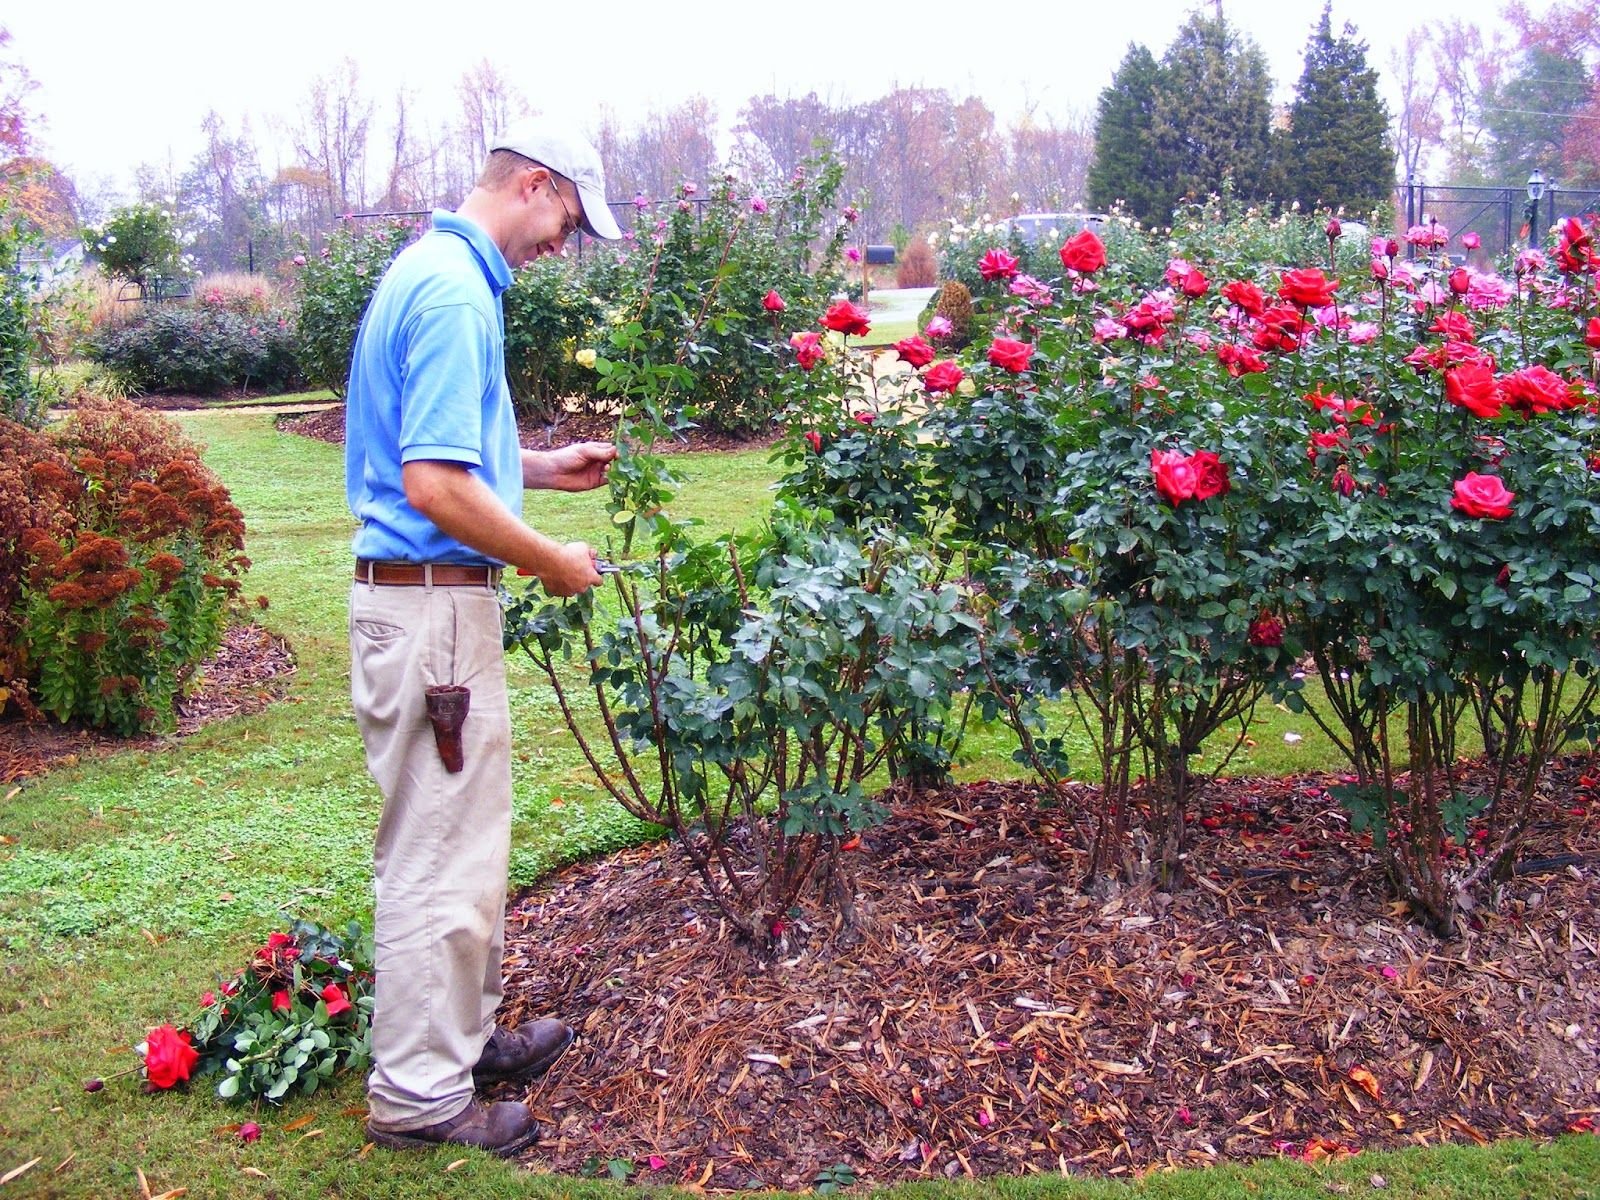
x=1211 y=114
x=1337 y=151
x=1124 y=169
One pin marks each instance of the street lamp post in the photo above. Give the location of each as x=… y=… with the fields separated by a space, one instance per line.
x=1535 y=194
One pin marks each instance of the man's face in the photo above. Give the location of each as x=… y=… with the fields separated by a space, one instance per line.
x=551 y=213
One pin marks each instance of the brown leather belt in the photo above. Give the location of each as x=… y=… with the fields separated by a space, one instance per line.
x=389 y=574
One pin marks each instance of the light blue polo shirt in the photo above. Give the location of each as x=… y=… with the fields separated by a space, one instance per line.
x=428 y=381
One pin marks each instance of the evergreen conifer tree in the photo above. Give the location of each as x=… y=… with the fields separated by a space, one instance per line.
x=1337 y=152
x=1211 y=114
x=1124 y=167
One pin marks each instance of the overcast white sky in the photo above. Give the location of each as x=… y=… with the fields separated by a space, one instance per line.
x=129 y=83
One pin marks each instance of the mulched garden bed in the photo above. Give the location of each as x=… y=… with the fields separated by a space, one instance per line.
x=989 y=1017
x=328 y=426
x=248 y=672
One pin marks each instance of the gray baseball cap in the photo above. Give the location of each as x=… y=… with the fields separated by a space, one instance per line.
x=568 y=153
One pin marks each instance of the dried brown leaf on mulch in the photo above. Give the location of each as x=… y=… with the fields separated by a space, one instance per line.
x=247 y=673
x=989 y=1017
x=328 y=426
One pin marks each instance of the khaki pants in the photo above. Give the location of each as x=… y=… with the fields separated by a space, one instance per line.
x=442 y=844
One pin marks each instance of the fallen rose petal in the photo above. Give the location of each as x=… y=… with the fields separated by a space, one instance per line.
x=657 y=1162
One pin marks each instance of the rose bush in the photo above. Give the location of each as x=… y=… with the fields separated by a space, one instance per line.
x=1193 y=487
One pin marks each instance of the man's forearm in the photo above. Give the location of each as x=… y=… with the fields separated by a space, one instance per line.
x=464 y=507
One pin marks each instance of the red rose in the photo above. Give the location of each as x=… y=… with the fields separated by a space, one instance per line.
x=1240 y=360
x=278 y=945
x=1392 y=247
x=1245 y=296
x=333 y=996
x=1591 y=336
x=1327 y=443
x=1472 y=386
x=1010 y=355
x=1194 y=284
x=1308 y=287
x=1211 y=475
x=1535 y=390
x=1083 y=252
x=280 y=1000
x=207 y=999
x=1482 y=496
x=807 y=348
x=1454 y=325
x=1175 y=475
x=814 y=440
x=773 y=302
x=1343 y=482
x=943 y=377
x=997 y=264
x=1380 y=269
x=846 y=318
x=1460 y=281
x=168 y=1057
x=1266 y=631
x=914 y=351
x=1333 y=229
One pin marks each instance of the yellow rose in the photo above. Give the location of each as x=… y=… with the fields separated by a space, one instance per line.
x=585 y=358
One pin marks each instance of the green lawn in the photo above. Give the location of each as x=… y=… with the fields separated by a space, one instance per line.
x=129 y=883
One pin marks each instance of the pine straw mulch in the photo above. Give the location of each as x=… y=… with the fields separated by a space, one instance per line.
x=328 y=426
x=248 y=672
x=988 y=1017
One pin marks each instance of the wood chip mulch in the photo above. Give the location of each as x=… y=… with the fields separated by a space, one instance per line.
x=248 y=672
x=987 y=1016
x=328 y=426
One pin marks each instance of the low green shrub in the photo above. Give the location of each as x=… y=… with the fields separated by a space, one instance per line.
x=332 y=290
x=200 y=349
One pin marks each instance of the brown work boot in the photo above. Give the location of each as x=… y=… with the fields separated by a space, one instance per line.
x=523 y=1052
x=502 y=1128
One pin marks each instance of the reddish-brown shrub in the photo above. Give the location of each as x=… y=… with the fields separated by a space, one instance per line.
x=37 y=490
x=917 y=266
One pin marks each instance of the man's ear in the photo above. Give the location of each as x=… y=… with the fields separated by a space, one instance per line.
x=532 y=180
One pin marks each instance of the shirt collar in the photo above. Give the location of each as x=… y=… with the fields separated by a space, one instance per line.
x=495 y=267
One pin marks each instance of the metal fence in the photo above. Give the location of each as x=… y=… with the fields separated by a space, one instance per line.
x=1504 y=218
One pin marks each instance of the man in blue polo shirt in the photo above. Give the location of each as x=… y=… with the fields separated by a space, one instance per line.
x=435 y=475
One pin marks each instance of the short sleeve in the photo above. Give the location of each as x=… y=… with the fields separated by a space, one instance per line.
x=448 y=356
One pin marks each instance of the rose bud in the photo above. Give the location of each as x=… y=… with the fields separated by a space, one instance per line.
x=1334 y=229
x=93 y=1085
x=249 y=1132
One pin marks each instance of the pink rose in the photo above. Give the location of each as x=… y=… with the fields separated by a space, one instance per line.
x=1482 y=496
x=943 y=377
x=1175 y=475
x=773 y=302
x=1010 y=355
x=997 y=264
x=807 y=348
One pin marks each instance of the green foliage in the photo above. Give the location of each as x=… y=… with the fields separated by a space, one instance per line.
x=1121 y=172
x=141 y=244
x=1527 y=117
x=18 y=397
x=1338 y=152
x=556 y=315
x=201 y=349
x=696 y=282
x=954 y=304
x=334 y=286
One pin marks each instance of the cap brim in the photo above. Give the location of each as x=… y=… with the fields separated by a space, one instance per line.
x=597 y=220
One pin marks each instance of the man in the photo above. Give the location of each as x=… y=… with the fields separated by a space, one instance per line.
x=435 y=475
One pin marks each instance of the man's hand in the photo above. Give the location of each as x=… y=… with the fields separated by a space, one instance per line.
x=576 y=468
x=572 y=572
